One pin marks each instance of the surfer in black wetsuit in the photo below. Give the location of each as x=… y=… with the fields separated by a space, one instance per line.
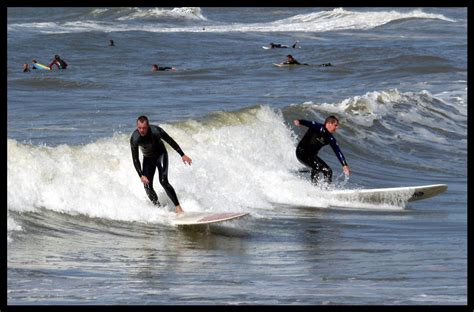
x=26 y=69
x=291 y=60
x=277 y=45
x=155 y=67
x=314 y=139
x=149 y=139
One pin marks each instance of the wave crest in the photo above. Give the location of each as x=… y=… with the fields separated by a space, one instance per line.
x=187 y=13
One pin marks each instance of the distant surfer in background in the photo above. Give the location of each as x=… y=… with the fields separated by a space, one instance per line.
x=291 y=60
x=58 y=62
x=276 y=45
x=314 y=139
x=111 y=43
x=26 y=69
x=155 y=67
x=149 y=139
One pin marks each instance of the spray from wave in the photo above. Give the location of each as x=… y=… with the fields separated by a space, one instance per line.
x=235 y=167
x=340 y=19
x=187 y=13
x=405 y=116
x=242 y=160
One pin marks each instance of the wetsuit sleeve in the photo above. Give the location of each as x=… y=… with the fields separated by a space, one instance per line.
x=337 y=151
x=308 y=123
x=136 y=160
x=171 y=142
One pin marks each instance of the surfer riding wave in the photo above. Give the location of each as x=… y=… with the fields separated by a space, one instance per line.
x=317 y=136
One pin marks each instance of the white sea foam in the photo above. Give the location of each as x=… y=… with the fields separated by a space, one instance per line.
x=12 y=226
x=134 y=13
x=191 y=13
x=241 y=162
x=322 y=21
x=406 y=116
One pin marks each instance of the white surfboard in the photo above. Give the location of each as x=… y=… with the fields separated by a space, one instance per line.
x=194 y=218
x=268 y=47
x=288 y=65
x=393 y=195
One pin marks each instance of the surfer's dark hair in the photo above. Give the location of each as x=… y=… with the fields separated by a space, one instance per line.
x=142 y=119
x=331 y=119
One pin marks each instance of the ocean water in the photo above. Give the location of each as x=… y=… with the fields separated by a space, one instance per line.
x=81 y=231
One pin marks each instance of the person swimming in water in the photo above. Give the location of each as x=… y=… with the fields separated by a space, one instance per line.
x=26 y=69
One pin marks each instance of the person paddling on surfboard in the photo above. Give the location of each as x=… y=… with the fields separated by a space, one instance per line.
x=314 y=139
x=276 y=45
x=60 y=63
x=155 y=67
x=292 y=61
x=149 y=139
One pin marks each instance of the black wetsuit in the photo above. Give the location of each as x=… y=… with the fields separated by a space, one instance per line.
x=293 y=62
x=307 y=150
x=154 y=155
x=276 y=45
x=165 y=68
x=62 y=63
